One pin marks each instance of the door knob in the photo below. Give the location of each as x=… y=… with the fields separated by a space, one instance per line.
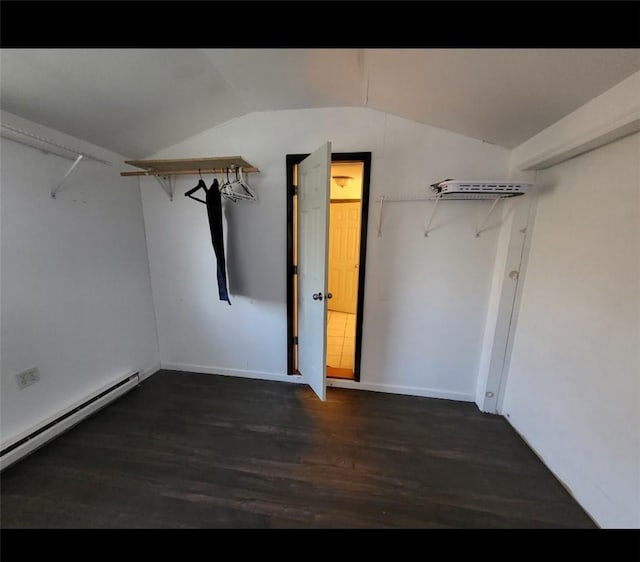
x=329 y=296
x=317 y=296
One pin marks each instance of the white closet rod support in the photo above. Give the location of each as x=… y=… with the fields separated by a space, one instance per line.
x=467 y=196
x=486 y=218
x=167 y=183
x=57 y=186
x=433 y=213
x=400 y=199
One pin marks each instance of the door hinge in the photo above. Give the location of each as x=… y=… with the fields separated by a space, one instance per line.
x=294 y=190
x=295 y=270
x=295 y=340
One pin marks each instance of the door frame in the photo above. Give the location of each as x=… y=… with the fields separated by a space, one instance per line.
x=291 y=161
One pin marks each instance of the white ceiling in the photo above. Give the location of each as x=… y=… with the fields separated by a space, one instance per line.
x=139 y=101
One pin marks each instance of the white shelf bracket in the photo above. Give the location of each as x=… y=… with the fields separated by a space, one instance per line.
x=57 y=186
x=433 y=213
x=381 y=202
x=167 y=183
x=486 y=218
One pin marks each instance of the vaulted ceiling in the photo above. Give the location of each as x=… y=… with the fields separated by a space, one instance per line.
x=139 y=101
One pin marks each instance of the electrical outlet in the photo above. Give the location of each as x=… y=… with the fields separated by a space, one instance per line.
x=28 y=377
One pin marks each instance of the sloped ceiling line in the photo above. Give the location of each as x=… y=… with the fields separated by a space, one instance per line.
x=140 y=101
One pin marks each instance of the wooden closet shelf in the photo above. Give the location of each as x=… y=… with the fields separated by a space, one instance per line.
x=189 y=166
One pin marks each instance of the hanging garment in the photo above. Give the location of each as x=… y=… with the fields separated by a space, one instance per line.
x=214 y=211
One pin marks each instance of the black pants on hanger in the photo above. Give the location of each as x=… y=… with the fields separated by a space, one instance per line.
x=214 y=211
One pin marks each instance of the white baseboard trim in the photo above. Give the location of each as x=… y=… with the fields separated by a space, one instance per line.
x=337 y=383
x=263 y=375
x=399 y=389
x=35 y=437
x=148 y=372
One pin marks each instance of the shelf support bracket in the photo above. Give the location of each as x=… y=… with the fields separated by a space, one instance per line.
x=433 y=214
x=381 y=202
x=486 y=218
x=167 y=183
x=56 y=187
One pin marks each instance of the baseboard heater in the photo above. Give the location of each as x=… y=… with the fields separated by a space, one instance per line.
x=36 y=437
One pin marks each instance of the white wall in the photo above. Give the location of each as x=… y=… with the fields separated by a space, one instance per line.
x=75 y=286
x=425 y=298
x=574 y=380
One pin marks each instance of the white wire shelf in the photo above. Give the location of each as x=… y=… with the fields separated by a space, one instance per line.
x=51 y=147
x=445 y=196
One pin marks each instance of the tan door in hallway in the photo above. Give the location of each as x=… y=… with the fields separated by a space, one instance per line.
x=344 y=253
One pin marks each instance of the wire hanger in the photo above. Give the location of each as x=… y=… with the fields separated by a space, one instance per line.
x=236 y=190
x=239 y=190
x=247 y=187
x=224 y=187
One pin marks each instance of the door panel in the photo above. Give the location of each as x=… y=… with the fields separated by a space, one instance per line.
x=344 y=254
x=313 y=234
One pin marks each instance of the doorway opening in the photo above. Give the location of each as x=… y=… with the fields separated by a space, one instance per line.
x=348 y=211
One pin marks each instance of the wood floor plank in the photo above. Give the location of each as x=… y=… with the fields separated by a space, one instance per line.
x=188 y=450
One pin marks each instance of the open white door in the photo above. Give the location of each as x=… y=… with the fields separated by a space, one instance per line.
x=313 y=235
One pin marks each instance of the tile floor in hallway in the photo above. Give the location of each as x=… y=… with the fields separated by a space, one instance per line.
x=341 y=338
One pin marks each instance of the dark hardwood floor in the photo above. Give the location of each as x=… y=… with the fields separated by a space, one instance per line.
x=187 y=450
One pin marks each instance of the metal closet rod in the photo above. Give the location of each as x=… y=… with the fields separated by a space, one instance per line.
x=405 y=198
x=191 y=172
x=437 y=198
x=49 y=142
